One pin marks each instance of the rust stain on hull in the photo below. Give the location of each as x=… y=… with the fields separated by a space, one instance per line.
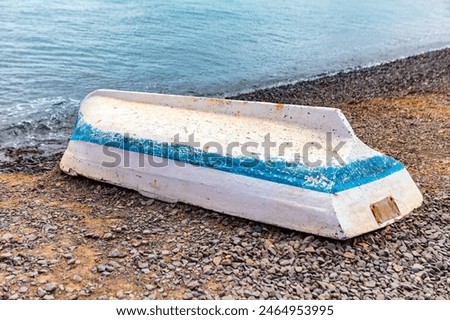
x=279 y=107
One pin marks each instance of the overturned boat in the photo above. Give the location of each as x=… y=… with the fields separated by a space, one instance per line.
x=293 y=166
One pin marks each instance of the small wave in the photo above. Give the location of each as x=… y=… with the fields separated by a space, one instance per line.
x=41 y=123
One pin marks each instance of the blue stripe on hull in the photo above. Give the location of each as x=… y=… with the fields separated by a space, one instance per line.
x=322 y=179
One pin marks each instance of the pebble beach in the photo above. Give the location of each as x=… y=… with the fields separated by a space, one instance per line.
x=64 y=237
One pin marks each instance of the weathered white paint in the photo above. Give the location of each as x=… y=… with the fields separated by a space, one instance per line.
x=162 y=123
x=337 y=215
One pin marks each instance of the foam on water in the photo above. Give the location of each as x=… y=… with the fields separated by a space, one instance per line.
x=43 y=121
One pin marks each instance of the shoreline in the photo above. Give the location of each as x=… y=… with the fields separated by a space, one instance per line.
x=427 y=72
x=332 y=74
x=84 y=239
x=405 y=76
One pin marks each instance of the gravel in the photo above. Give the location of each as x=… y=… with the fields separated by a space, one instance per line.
x=64 y=237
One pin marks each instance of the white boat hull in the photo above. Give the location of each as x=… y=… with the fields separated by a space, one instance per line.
x=340 y=209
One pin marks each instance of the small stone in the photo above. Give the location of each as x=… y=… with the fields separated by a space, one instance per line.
x=101 y=268
x=370 y=284
x=256 y=293
x=14 y=297
x=309 y=250
x=32 y=237
x=408 y=256
x=176 y=264
x=85 y=293
x=397 y=268
x=142 y=265
x=285 y=262
x=17 y=261
x=361 y=264
x=226 y=262
x=217 y=260
x=33 y=274
x=49 y=297
x=120 y=294
x=165 y=252
x=107 y=236
x=77 y=278
x=23 y=289
x=207 y=269
x=343 y=289
x=116 y=254
x=50 y=287
x=193 y=284
x=349 y=255
x=49 y=228
x=7 y=236
x=188 y=296
x=10 y=277
x=417 y=268
x=41 y=292
x=136 y=243
x=298 y=289
x=150 y=287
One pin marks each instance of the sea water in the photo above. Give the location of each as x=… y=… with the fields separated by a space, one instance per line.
x=53 y=53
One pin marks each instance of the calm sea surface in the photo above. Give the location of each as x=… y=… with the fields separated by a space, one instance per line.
x=53 y=53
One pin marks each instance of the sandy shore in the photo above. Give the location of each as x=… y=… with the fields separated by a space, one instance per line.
x=67 y=237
